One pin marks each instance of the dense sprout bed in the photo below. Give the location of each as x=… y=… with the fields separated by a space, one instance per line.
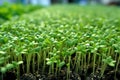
x=7 y=11
x=77 y=38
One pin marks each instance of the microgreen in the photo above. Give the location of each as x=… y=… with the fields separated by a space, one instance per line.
x=75 y=37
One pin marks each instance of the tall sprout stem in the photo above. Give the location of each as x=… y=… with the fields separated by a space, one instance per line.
x=20 y=58
x=51 y=69
x=94 y=62
x=103 y=67
x=33 y=63
x=78 y=59
x=68 y=68
x=18 y=73
x=56 y=70
x=99 y=61
x=44 y=61
x=85 y=65
x=82 y=62
x=88 y=61
x=18 y=68
x=28 y=62
x=38 y=61
x=117 y=64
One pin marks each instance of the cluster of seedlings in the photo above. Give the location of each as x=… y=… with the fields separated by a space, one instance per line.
x=73 y=37
x=7 y=11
